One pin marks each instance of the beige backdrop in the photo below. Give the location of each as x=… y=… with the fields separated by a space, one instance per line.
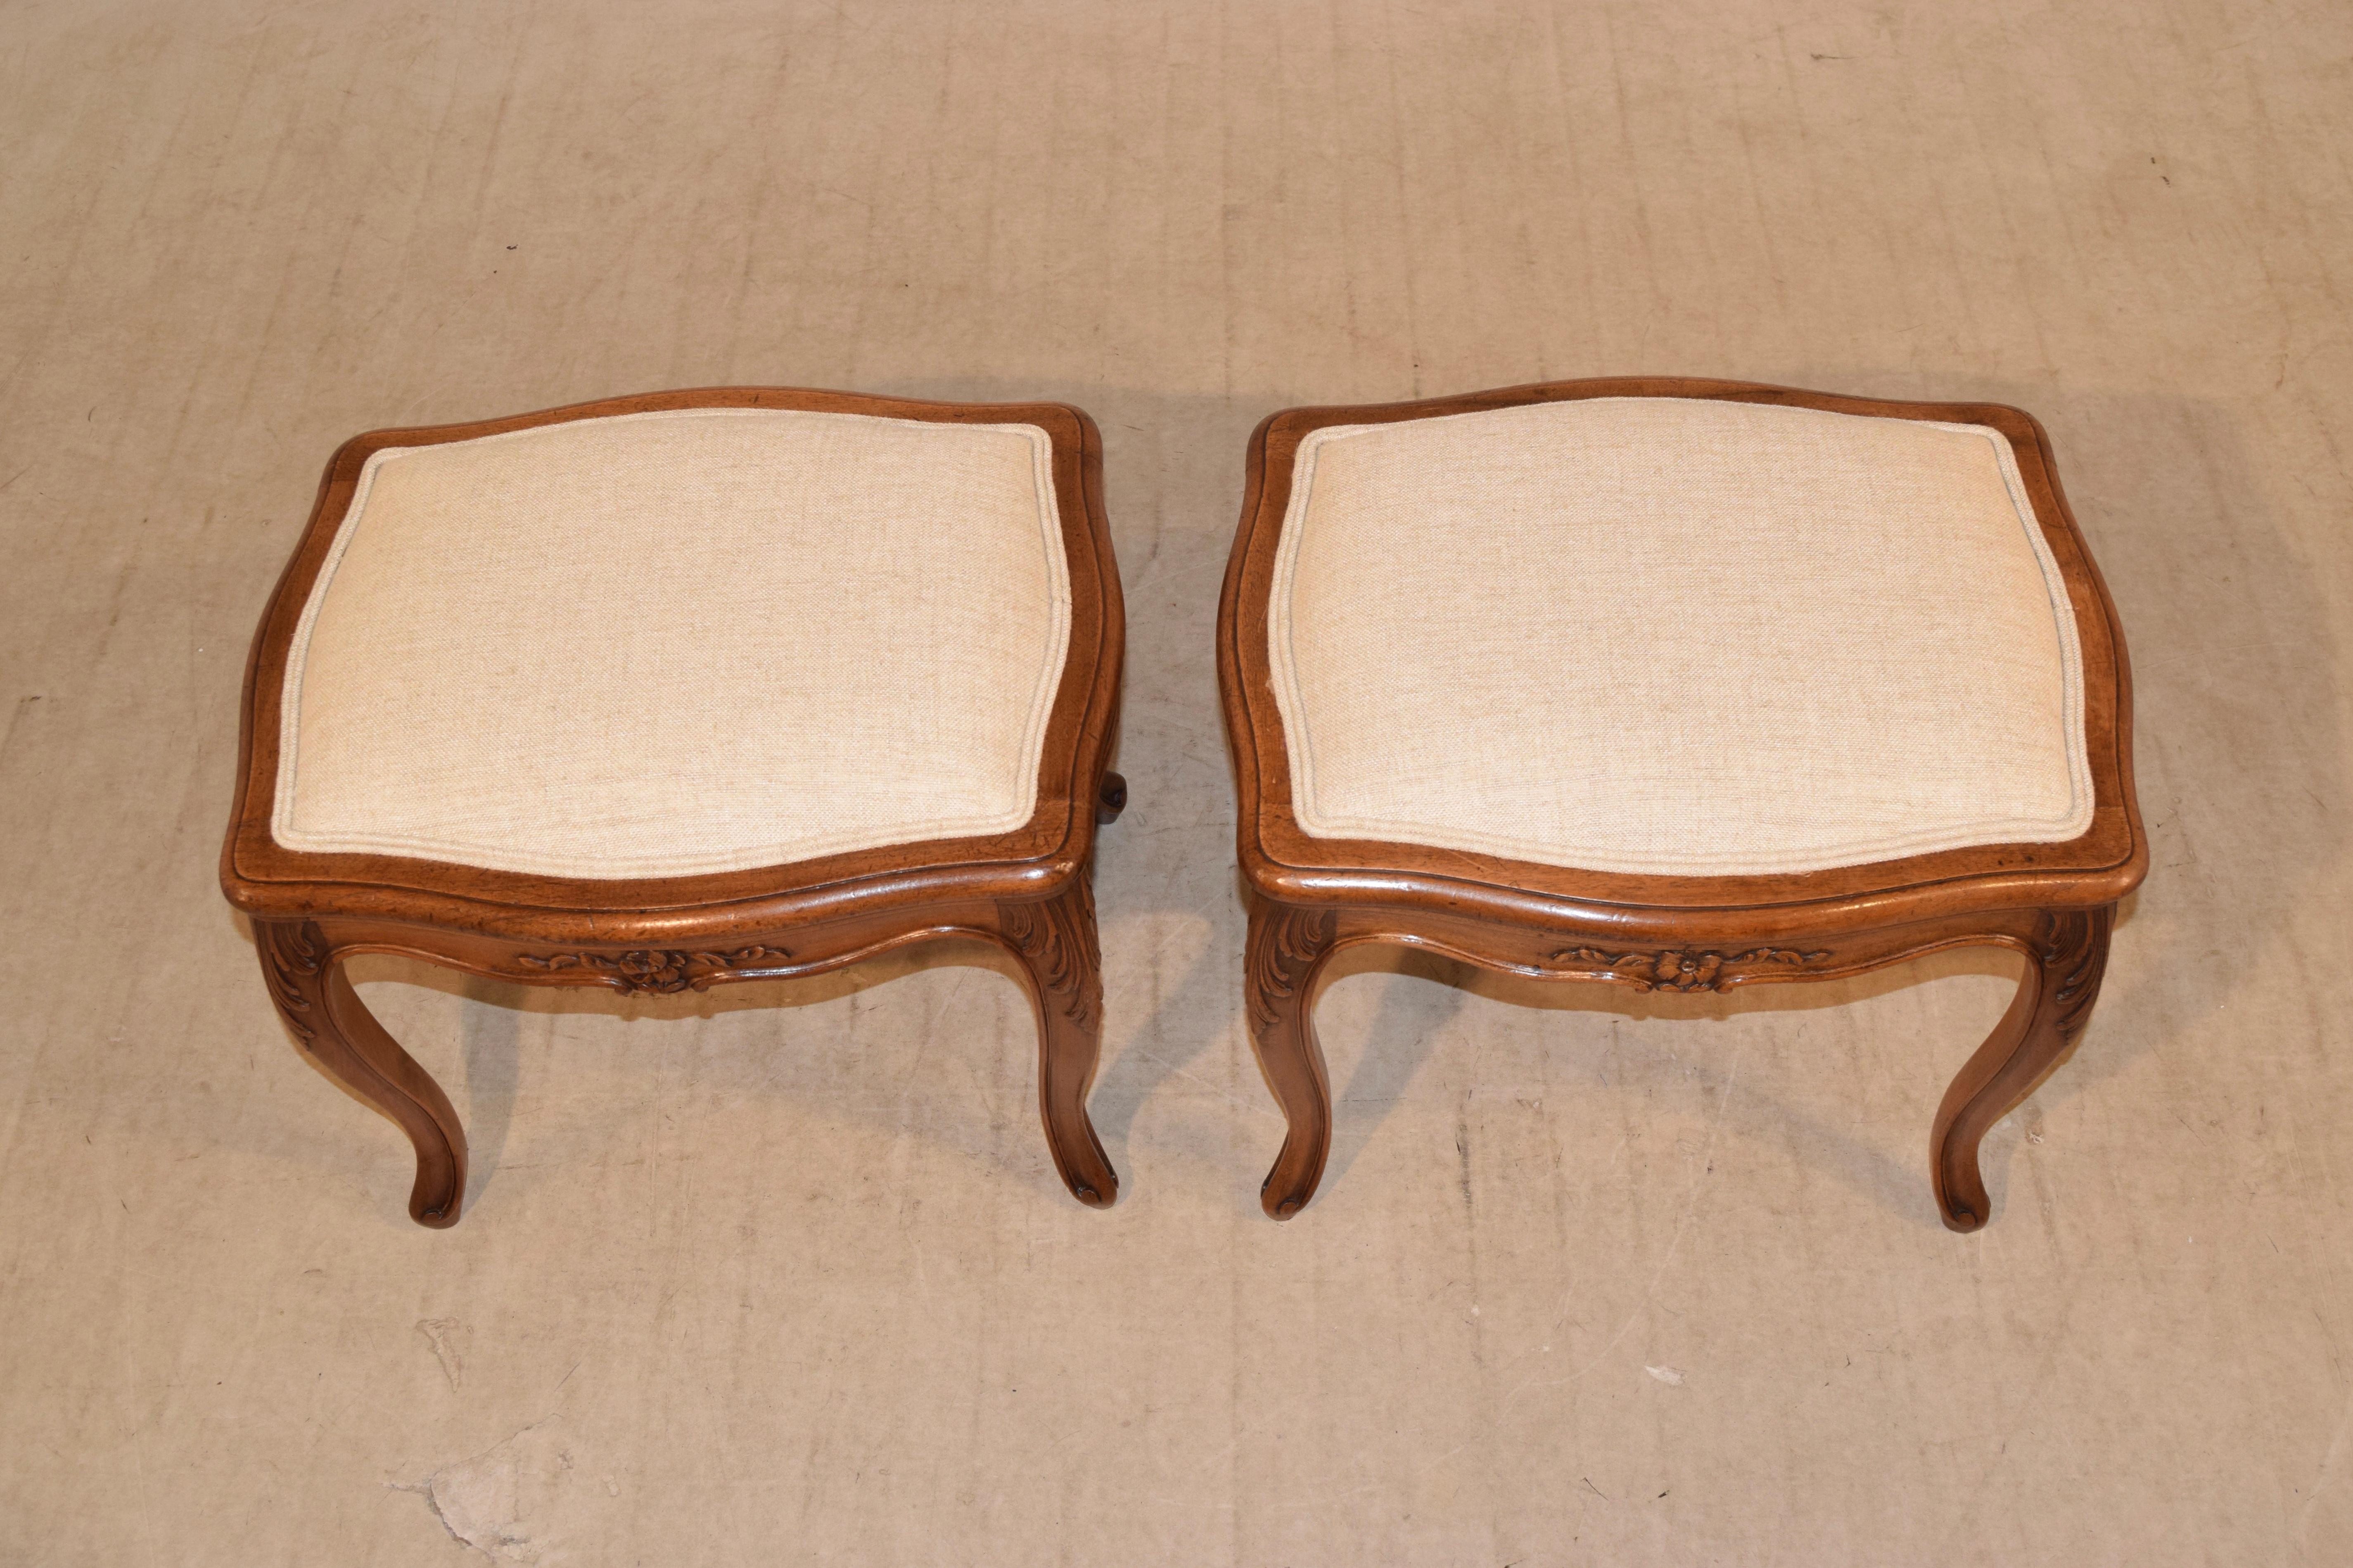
x=783 y=1274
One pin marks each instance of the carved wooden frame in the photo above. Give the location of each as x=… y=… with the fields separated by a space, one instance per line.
x=1027 y=892
x=2051 y=903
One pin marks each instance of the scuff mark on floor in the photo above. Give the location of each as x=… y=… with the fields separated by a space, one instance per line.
x=442 y=1334
x=485 y=1503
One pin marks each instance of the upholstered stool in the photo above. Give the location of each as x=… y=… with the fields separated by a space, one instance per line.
x=1682 y=685
x=672 y=691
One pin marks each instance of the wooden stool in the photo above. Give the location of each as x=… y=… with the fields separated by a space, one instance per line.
x=665 y=691
x=1678 y=684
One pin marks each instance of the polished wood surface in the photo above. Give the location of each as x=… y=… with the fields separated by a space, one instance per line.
x=2051 y=903
x=1027 y=892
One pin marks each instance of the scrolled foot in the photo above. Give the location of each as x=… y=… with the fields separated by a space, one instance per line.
x=1292 y=1180
x=1110 y=799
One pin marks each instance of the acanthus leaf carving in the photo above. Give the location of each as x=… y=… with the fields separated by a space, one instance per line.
x=1284 y=945
x=1687 y=969
x=2075 y=955
x=293 y=955
x=660 y=972
x=1057 y=937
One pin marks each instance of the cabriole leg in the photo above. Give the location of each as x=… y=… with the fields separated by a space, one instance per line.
x=335 y=1030
x=2062 y=980
x=1286 y=952
x=1056 y=943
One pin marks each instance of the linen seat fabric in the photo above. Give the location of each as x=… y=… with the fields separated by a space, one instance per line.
x=672 y=643
x=1674 y=636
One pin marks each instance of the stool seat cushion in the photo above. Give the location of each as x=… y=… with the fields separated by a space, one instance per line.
x=661 y=644
x=1676 y=637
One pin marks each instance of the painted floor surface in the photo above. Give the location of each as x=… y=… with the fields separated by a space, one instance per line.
x=782 y=1274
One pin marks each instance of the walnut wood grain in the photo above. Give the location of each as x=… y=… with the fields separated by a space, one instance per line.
x=2051 y=902
x=1026 y=890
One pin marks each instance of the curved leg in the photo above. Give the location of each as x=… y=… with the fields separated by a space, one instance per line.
x=336 y=1031
x=2062 y=980
x=1056 y=943
x=1287 y=947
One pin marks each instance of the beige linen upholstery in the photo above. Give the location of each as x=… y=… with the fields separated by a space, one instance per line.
x=1674 y=635
x=669 y=643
